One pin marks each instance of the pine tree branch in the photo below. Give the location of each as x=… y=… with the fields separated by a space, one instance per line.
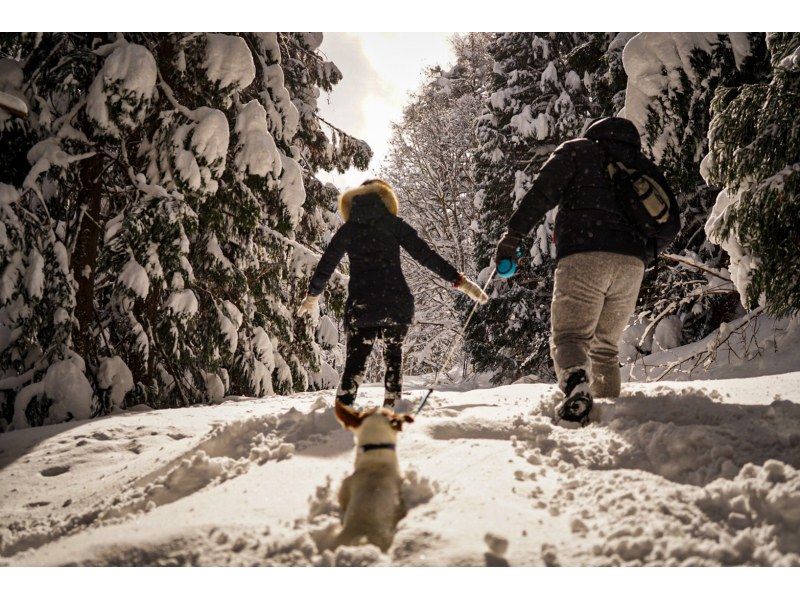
x=696 y=265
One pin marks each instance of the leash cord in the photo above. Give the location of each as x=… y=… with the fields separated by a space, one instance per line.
x=453 y=347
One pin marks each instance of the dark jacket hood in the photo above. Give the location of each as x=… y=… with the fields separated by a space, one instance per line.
x=616 y=129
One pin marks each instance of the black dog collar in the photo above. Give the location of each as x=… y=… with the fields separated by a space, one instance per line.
x=365 y=448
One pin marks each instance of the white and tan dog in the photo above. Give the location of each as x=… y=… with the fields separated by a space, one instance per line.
x=370 y=498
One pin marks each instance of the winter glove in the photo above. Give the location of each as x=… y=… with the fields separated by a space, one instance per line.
x=308 y=305
x=472 y=290
x=507 y=246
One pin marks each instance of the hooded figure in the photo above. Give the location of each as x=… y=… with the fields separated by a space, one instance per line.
x=600 y=252
x=379 y=301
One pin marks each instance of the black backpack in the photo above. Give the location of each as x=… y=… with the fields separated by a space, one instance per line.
x=648 y=203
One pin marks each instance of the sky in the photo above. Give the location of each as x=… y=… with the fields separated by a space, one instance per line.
x=379 y=71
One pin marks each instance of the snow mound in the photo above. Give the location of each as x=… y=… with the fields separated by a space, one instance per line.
x=113 y=375
x=668 y=474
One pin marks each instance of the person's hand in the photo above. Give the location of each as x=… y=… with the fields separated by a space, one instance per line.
x=507 y=247
x=308 y=305
x=472 y=290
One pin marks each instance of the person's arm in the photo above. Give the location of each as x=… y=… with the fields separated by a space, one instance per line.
x=329 y=260
x=418 y=249
x=325 y=269
x=548 y=187
x=423 y=253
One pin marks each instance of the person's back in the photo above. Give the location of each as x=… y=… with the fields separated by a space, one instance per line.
x=600 y=251
x=377 y=293
x=379 y=302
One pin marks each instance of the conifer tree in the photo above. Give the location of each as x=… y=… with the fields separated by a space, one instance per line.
x=161 y=229
x=754 y=155
x=671 y=83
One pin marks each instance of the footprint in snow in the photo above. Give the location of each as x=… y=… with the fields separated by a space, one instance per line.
x=50 y=472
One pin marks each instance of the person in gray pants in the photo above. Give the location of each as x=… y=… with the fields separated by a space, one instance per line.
x=601 y=255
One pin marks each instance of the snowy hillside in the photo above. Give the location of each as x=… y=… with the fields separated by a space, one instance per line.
x=672 y=473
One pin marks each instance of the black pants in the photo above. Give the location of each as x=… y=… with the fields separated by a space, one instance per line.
x=359 y=347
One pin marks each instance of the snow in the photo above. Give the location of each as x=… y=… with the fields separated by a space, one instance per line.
x=754 y=345
x=328 y=332
x=34 y=275
x=573 y=81
x=653 y=60
x=115 y=376
x=12 y=100
x=66 y=385
x=182 y=303
x=204 y=156
x=44 y=155
x=530 y=126
x=128 y=77
x=215 y=251
x=12 y=104
x=229 y=62
x=135 y=278
x=670 y=473
x=667 y=334
x=741 y=47
x=293 y=193
x=792 y=61
x=549 y=76
x=230 y=320
x=256 y=151
x=210 y=137
x=742 y=263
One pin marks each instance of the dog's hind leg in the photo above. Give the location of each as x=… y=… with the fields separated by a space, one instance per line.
x=344 y=497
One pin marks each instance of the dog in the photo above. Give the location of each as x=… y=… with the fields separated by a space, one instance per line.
x=370 y=498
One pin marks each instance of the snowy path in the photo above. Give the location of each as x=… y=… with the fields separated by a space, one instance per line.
x=660 y=478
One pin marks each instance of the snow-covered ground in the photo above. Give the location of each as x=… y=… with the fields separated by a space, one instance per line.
x=678 y=472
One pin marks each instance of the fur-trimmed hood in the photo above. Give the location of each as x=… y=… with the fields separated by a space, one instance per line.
x=373 y=187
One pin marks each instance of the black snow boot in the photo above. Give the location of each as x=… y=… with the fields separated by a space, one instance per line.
x=578 y=402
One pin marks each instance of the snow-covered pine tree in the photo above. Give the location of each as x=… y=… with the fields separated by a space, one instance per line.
x=754 y=155
x=672 y=78
x=158 y=239
x=542 y=95
x=429 y=165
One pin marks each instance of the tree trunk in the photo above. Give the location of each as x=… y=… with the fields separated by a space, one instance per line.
x=84 y=258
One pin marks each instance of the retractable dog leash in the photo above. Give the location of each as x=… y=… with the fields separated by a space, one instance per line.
x=508 y=266
x=443 y=365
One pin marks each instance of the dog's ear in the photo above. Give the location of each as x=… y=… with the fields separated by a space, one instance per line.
x=347 y=416
x=398 y=419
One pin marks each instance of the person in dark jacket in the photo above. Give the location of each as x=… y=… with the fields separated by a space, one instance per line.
x=601 y=255
x=379 y=302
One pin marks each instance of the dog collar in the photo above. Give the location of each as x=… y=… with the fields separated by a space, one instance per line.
x=365 y=448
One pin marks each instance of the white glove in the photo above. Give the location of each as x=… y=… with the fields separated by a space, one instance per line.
x=472 y=290
x=308 y=305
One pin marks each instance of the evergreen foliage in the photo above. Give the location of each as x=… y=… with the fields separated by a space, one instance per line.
x=160 y=230
x=755 y=155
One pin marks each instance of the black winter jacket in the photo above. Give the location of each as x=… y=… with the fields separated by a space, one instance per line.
x=378 y=294
x=590 y=217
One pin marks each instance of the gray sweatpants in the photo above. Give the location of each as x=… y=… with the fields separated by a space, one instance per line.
x=594 y=296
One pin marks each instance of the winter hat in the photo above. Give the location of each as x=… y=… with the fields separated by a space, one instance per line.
x=614 y=128
x=371 y=186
